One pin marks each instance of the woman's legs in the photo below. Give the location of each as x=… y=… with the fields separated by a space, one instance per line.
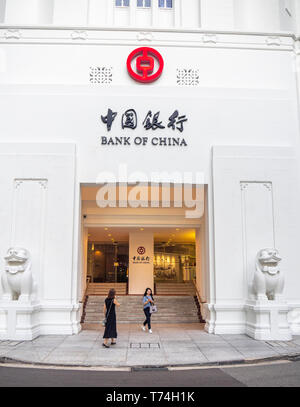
x=148 y=317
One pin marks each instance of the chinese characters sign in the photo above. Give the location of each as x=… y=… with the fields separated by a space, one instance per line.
x=152 y=121
x=141 y=257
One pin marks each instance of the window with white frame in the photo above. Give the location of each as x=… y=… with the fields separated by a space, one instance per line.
x=166 y=4
x=122 y=3
x=144 y=3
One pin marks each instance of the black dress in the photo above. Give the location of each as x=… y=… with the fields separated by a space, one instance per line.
x=111 y=323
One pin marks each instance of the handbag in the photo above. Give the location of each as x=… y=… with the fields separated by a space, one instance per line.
x=105 y=319
x=153 y=309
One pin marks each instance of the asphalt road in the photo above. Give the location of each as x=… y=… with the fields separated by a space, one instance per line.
x=274 y=375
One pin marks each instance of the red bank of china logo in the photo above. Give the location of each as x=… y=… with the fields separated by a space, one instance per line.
x=144 y=60
x=141 y=250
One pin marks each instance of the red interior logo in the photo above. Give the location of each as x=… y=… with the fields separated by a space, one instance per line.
x=141 y=250
x=145 y=63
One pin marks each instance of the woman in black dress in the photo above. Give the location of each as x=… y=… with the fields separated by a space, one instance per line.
x=109 y=310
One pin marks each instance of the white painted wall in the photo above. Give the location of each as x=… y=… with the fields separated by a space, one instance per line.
x=38 y=214
x=29 y=12
x=244 y=15
x=70 y=12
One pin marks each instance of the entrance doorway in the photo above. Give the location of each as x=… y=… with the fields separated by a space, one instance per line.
x=143 y=246
x=108 y=252
x=107 y=263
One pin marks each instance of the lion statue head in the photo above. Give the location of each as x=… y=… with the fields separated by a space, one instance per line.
x=16 y=260
x=267 y=260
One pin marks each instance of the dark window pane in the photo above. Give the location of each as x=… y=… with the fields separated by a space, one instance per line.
x=169 y=3
x=118 y=3
x=147 y=3
x=126 y=3
x=161 y=3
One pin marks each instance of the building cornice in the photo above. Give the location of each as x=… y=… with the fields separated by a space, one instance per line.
x=61 y=35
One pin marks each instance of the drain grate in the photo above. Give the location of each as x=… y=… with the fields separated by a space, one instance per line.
x=144 y=345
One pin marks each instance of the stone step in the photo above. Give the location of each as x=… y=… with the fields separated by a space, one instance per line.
x=171 y=309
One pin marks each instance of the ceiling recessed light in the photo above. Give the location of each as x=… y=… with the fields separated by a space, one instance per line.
x=142 y=229
x=177 y=229
x=105 y=228
x=109 y=235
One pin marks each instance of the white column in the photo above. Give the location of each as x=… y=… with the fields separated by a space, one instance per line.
x=110 y=12
x=178 y=13
x=98 y=12
x=132 y=13
x=141 y=251
x=217 y=15
x=257 y=15
x=70 y=12
x=2 y=11
x=154 y=13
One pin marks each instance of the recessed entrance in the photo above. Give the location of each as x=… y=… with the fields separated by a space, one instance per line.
x=131 y=248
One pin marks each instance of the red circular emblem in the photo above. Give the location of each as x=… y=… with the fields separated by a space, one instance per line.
x=141 y=250
x=145 y=63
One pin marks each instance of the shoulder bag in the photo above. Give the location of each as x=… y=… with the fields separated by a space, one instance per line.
x=105 y=319
x=153 y=308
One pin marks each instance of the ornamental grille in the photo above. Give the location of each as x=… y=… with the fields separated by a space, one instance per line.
x=102 y=75
x=188 y=77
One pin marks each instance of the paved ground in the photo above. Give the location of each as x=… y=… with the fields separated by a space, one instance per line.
x=169 y=345
x=279 y=374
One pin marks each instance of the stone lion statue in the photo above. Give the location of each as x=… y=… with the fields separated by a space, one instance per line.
x=17 y=280
x=268 y=280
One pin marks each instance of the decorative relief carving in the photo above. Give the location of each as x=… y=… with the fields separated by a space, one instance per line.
x=210 y=38
x=12 y=34
x=42 y=182
x=273 y=41
x=244 y=185
x=102 y=75
x=79 y=35
x=188 y=77
x=145 y=36
x=268 y=185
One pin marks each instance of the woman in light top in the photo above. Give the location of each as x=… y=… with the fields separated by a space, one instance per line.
x=147 y=301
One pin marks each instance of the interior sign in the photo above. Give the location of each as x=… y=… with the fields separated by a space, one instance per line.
x=151 y=122
x=141 y=257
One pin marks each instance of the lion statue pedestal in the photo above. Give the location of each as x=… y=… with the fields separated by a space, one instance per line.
x=18 y=305
x=267 y=312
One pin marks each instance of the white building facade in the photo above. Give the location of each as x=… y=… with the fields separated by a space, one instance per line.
x=230 y=71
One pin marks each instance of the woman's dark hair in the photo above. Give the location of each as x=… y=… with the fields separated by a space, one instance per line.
x=111 y=293
x=145 y=295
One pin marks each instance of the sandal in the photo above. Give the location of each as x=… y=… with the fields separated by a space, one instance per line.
x=113 y=343
x=104 y=344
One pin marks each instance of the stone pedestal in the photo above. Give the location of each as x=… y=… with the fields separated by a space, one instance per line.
x=267 y=320
x=19 y=320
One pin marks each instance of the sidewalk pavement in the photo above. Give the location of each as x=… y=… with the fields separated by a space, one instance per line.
x=169 y=345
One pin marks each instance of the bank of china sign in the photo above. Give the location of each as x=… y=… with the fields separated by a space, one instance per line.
x=144 y=65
